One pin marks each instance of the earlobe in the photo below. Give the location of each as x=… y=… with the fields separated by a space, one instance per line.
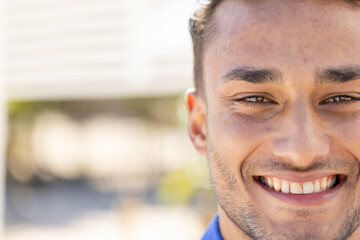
x=196 y=125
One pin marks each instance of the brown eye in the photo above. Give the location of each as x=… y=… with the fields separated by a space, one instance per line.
x=339 y=99
x=255 y=100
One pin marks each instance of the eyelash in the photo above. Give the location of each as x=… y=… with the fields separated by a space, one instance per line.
x=340 y=99
x=245 y=100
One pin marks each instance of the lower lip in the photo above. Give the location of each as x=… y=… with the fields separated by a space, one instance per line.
x=312 y=199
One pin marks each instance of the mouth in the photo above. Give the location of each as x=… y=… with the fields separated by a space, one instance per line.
x=310 y=192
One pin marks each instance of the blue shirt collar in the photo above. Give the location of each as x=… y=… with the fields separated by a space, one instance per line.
x=213 y=231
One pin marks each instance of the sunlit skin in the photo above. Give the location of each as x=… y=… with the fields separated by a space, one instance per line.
x=298 y=125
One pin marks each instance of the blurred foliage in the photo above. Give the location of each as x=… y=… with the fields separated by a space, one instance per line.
x=157 y=111
x=181 y=186
x=176 y=187
x=29 y=108
x=164 y=110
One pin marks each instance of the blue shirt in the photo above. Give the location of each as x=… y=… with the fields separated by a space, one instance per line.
x=213 y=231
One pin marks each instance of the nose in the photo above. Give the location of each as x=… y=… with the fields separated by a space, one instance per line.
x=301 y=138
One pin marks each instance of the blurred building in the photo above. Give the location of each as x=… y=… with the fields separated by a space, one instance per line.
x=97 y=119
x=96 y=53
x=76 y=49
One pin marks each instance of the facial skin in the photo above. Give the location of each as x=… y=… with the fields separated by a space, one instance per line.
x=284 y=121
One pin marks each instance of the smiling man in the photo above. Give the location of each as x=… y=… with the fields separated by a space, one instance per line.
x=276 y=111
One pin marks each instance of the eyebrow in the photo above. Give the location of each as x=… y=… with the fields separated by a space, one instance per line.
x=337 y=75
x=252 y=75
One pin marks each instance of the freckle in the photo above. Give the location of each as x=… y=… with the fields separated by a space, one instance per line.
x=305 y=60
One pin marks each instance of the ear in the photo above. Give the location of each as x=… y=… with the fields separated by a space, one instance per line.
x=197 y=125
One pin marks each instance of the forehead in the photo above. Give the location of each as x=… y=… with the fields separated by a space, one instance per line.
x=292 y=36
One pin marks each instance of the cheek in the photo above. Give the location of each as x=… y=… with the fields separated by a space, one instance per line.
x=239 y=133
x=346 y=132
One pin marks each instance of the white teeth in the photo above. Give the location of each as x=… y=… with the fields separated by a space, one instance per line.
x=270 y=182
x=295 y=188
x=317 y=186
x=328 y=183
x=277 y=184
x=323 y=184
x=284 y=186
x=264 y=181
x=308 y=187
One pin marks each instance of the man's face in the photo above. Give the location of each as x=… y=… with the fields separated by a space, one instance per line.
x=280 y=122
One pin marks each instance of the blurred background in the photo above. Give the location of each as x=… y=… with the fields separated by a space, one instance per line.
x=96 y=144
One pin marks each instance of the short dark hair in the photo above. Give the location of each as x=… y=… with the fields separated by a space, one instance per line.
x=202 y=28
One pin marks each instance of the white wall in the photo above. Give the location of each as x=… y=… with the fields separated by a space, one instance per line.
x=71 y=49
